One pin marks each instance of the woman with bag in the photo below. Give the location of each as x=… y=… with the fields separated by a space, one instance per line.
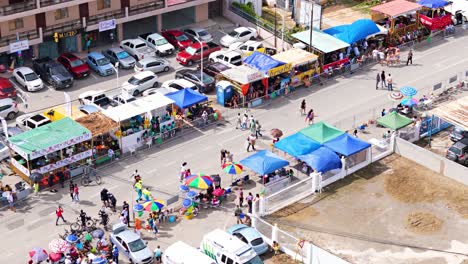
x=251 y=142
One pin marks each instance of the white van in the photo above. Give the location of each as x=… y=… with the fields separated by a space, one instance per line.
x=228 y=249
x=181 y=253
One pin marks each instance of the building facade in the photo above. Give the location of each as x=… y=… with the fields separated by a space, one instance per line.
x=43 y=28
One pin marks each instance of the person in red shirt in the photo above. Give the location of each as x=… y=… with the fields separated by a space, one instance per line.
x=59 y=214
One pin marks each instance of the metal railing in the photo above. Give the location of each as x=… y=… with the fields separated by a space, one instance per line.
x=64 y=27
x=116 y=14
x=45 y=3
x=288 y=196
x=17 y=8
x=31 y=34
x=142 y=8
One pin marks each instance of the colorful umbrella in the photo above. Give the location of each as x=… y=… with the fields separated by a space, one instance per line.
x=409 y=101
x=59 y=246
x=191 y=194
x=38 y=254
x=55 y=256
x=199 y=181
x=233 y=168
x=276 y=133
x=98 y=233
x=408 y=91
x=186 y=203
x=218 y=192
x=99 y=260
x=154 y=205
x=138 y=208
x=71 y=238
x=184 y=188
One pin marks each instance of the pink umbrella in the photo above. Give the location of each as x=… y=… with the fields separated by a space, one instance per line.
x=38 y=254
x=218 y=192
x=59 y=246
x=55 y=256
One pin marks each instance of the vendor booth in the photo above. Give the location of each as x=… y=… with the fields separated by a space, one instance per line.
x=322 y=160
x=352 y=33
x=142 y=121
x=265 y=163
x=304 y=65
x=297 y=144
x=321 y=132
x=433 y=14
x=188 y=107
x=58 y=145
x=248 y=86
x=105 y=143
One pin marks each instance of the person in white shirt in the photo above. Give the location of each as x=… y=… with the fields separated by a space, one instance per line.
x=110 y=153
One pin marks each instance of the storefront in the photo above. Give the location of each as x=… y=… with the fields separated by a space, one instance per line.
x=138 y=27
x=179 y=18
x=249 y=86
x=304 y=65
x=60 y=145
x=58 y=43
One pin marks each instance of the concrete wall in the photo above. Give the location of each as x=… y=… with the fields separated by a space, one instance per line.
x=201 y=13
x=432 y=161
x=29 y=23
x=4 y=3
x=93 y=7
x=73 y=14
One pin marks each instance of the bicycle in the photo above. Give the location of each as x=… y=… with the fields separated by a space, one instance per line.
x=78 y=227
x=86 y=178
x=68 y=232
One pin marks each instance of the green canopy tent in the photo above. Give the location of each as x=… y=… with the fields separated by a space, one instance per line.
x=394 y=121
x=321 y=132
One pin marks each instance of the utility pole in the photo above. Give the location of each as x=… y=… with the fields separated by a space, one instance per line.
x=311 y=25
x=275 y=25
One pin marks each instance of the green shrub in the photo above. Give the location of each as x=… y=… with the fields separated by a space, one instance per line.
x=246 y=8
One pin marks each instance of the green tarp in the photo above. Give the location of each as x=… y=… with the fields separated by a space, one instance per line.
x=394 y=121
x=321 y=132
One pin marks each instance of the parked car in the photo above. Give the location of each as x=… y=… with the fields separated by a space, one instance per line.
x=205 y=84
x=137 y=48
x=124 y=98
x=131 y=245
x=31 y=121
x=213 y=68
x=76 y=66
x=239 y=34
x=4 y=151
x=28 y=79
x=226 y=57
x=7 y=89
x=458 y=133
x=140 y=82
x=161 y=90
x=250 y=236
x=247 y=47
x=152 y=64
x=12 y=131
x=193 y=53
x=99 y=64
x=179 y=84
x=8 y=108
x=158 y=43
x=458 y=152
x=100 y=99
x=200 y=33
x=177 y=38
x=121 y=56
x=88 y=109
x=53 y=73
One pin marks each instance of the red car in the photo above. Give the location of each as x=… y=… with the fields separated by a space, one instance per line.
x=177 y=38
x=76 y=66
x=7 y=90
x=192 y=53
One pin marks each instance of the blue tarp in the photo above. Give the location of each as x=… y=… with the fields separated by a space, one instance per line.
x=186 y=97
x=264 y=162
x=297 y=144
x=322 y=160
x=262 y=62
x=346 y=145
x=433 y=3
x=356 y=31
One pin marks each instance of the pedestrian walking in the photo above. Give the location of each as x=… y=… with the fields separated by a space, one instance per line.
x=115 y=254
x=383 y=112
x=382 y=79
x=112 y=202
x=390 y=82
x=71 y=188
x=126 y=209
x=76 y=193
x=239 y=121
x=355 y=133
x=205 y=117
x=303 y=107
x=183 y=170
x=377 y=81
x=249 y=200
x=310 y=117
x=241 y=197
x=258 y=129
x=237 y=213
x=252 y=126
x=223 y=157
x=158 y=254
x=138 y=188
x=36 y=188
x=410 y=57
x=59 y=214
x=251 y=142
x=11 y=201
x=88 y=44
x=244 y=122
x=105 y=197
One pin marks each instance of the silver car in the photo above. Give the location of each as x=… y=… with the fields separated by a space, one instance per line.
x=199 y=33
x=121 y=56
x=28 y=79
x=131 y=245
x=152 y=64
x=8 y=108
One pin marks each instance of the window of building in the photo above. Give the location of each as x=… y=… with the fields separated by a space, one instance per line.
x=16 y=24
x=61 y=13
x=103 y=4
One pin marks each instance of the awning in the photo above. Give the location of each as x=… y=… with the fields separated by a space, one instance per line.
x=297 y=144
x=396 y=8
x=321 y=132
x=262 y=62
x=322 y=160
x=296 y=57
x=455 y=112
x=243 y=74
x=264 y=162
x=321 y=41
x=186 y=98
x=433 y=3
x=394 y=121
x=140 y=106
x=347 y=145
x=354 y=32
x=97 y=123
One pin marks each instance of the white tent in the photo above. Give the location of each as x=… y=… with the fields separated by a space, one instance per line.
x=140 y=106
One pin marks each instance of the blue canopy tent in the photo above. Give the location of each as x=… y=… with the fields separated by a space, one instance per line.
x=346 y=145
x=264 y=162
x=297 y=144
x=356 y=31
x=262 y=62
x=322 y=160
x=186 y=97
x=433 y=3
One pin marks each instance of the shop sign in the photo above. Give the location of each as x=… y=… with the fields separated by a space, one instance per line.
x=20 y=167
x=19 y=150
x=67 y=34
x=298 y=79
x=68 y=143
x=19 y=46
x=107 y=25
x=280 y=69
x=67 y=161
x=254 y=77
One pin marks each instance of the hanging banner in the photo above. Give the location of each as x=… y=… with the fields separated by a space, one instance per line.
x=280 y=69
x=20 y=167
x=19 y=46
x=107 y=25
x=62 y=163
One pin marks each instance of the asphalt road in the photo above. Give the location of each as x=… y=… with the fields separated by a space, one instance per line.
x=33 y=223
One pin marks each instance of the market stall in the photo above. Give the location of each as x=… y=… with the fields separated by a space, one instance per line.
x=58 y=145
x=105 y=143
x=433 y=14
x=189 y=106
x=265 y=163
x=304 y=65
x=142 y=121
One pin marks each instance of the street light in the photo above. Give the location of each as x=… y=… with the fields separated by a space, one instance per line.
x=201 y=60
x=275 y=24
x=116 y=69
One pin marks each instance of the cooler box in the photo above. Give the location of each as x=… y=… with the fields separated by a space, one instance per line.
x=224 y=92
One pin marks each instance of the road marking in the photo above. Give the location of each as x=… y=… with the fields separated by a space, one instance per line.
x=94 y=76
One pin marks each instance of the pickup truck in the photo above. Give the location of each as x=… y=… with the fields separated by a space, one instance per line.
x=105 y=99
x=158 y=43
x=31 y=121
x=53 y=73
x=193 y=53
x=137 y=48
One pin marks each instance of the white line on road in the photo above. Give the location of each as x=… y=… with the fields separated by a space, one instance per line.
x=94 y=76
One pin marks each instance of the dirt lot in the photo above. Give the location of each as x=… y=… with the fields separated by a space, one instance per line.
x=394 y=211
x=440 y=142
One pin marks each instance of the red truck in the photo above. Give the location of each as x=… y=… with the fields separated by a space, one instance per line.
x=193 y=53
